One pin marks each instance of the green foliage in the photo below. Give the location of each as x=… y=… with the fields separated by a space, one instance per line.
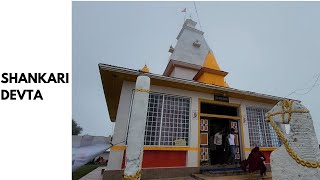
x=82 y=171
x=76 y=129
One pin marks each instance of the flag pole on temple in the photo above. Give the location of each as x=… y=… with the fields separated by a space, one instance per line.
x=185 y=12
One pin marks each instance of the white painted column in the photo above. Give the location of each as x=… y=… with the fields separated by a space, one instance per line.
x=192 y=160
x=134 y=152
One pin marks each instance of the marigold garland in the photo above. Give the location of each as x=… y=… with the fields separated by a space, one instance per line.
x=287 y=108
x=132 y=177
x=142 y=90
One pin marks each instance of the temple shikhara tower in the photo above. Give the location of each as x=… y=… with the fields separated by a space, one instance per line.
x=193 y=59
x=188 y=104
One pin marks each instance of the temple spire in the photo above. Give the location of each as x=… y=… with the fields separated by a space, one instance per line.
x=193 y=59
x=211 y=62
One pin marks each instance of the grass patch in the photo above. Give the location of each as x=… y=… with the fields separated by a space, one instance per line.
x=82 y=171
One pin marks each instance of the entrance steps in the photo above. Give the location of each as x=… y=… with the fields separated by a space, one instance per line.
x=235 y=177
x=227 y=172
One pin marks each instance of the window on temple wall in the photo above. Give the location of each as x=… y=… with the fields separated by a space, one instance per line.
x=260 y=131
x=167 y=120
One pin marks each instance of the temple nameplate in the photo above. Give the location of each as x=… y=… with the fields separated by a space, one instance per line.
x=221 y=98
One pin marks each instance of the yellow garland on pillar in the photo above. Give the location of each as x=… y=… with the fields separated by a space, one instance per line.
x=133 y=177
x=287 y=108
x=142 y=90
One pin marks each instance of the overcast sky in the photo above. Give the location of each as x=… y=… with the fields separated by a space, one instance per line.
x=267 y=47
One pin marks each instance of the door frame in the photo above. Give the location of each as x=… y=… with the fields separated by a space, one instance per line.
x=239 y=118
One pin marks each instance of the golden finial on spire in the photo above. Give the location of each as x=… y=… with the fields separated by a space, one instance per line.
x=145 y=69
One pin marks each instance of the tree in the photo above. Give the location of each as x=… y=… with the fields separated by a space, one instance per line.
x=76 y=129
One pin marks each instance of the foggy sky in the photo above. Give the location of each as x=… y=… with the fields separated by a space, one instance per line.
x=267 y=47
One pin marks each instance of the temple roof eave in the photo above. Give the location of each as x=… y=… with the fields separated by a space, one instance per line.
x=211 y=71
x=120 y=74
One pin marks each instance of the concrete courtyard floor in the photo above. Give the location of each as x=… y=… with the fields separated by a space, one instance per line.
x=205 y=177
x=236 y=177
x=96 y=175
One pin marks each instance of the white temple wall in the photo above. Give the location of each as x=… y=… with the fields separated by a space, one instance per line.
x=185 y=51
x=192 y=156
x=121 y=125
x=184 y=73
x=243 y=106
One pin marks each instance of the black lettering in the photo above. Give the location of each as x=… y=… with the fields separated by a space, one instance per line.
x=29 y=93
x=21 y=95
x=12 y=77
x=60 y=78
x=13 y=94
x=38 y=95
x=22 y=78
x=41 y=78
x=4 y=94
x=52 y=78
x=32 y=77
x=4 y=76
x=67 y=77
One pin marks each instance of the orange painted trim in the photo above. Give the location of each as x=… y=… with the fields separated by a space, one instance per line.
x=159 y=148
x=210 y=78
x=199 y=103
x=242 y=133
x=219 y=102
x=210 y=71
x=117 y=148
x=221 y=116
x=170 y=148
x=261 y=149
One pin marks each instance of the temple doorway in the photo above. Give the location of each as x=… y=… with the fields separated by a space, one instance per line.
x=218 y=154
x=213 y=119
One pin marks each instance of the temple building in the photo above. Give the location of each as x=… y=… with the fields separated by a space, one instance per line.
x=189 y=103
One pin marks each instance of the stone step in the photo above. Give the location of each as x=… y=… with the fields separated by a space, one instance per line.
x=229 y=170
x=221 y=171
x=224 y=173
x=235 y=177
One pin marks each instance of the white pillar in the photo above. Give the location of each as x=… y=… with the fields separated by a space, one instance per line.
x=134 y=151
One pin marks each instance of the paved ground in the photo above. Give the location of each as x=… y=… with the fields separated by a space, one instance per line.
x=237 y=177
x=178 y=178
x=96 y=175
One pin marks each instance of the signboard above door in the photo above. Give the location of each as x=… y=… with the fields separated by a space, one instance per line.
x=221 y=98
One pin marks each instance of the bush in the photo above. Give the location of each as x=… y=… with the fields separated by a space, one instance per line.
x=82 y=171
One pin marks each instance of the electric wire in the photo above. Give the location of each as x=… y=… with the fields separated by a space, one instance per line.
x=309 y=89
x=195 y=7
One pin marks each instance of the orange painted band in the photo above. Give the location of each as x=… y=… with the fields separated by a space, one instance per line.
x=156 y=148
x=261 y=149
